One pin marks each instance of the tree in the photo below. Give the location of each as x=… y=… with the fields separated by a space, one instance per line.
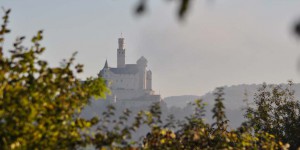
x=40 y=105
x=219 y=111
x=276 y=111
x=196 y=134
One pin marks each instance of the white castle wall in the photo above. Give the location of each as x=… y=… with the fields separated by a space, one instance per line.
x=128 y=94
x=124 y=81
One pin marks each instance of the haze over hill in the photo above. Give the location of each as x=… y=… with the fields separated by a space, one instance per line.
x=177 y=105
x=234 y=96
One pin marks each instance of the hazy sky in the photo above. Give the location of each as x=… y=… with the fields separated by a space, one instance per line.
x=221 y=42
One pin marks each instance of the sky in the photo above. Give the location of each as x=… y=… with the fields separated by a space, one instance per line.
x=220 y=42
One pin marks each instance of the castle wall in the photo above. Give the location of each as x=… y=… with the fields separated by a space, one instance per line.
x=123 y=81
x=128 y=94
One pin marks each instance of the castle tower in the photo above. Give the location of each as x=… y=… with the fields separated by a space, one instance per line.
x=106 y=64
x=149 y=80
x=121 y=53
x=142 y=64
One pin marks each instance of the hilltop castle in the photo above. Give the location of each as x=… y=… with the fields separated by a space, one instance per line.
x=129 y=81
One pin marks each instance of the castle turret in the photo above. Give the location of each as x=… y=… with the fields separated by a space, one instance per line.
x=142 y=64
x=106 y=64
x=104 y=70
x=149 y=80
x=121 y=53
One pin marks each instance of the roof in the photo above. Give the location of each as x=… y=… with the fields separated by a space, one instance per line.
x=106 y=65
x=142 y=59
x=128 y=69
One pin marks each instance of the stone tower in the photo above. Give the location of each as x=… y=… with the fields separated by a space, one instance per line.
x=142 y=64
x=149 y=80
x=121 y=54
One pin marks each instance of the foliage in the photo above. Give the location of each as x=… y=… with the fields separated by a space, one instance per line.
x=185 y=6
x=219 y=111
x=276 y=111
x=40 y=105
x=181 y=12
x=196 y=134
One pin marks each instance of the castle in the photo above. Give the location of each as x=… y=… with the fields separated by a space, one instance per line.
x=129 y=82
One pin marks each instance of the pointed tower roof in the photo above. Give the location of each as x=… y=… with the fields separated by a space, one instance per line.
x=106 y=64
x=142 y=59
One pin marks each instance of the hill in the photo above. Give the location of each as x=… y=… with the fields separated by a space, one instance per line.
x=234 y=96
